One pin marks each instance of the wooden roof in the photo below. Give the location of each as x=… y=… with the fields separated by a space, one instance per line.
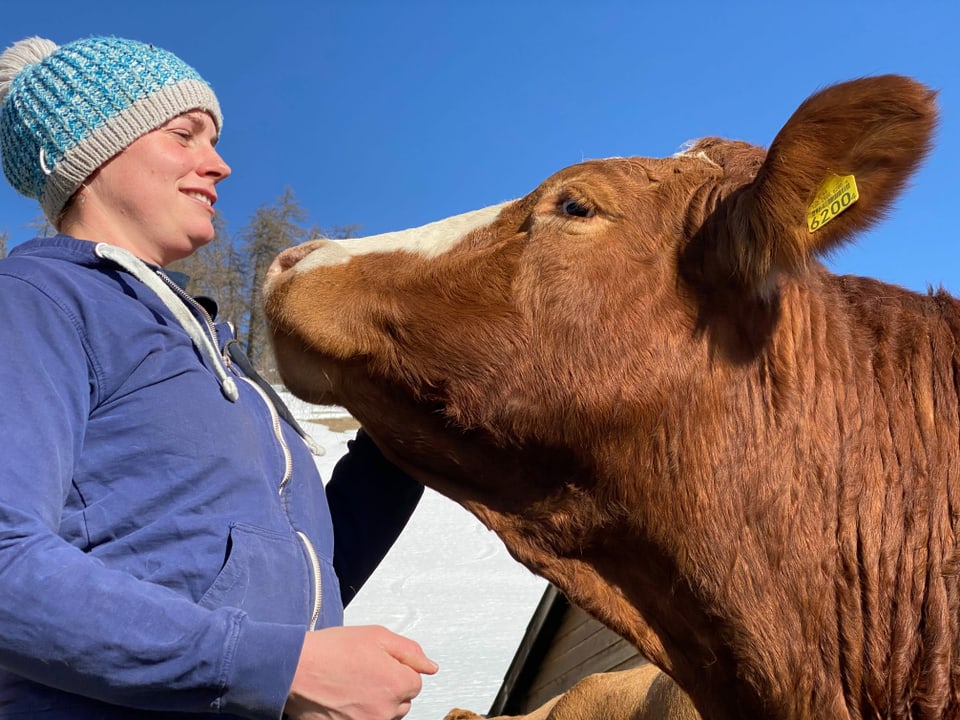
x=562 y=645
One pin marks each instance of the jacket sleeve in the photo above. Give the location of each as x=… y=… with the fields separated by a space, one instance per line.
x=68 y=621
x=371 y=501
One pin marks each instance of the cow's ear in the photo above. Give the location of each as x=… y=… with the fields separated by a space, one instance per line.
x=833 y=170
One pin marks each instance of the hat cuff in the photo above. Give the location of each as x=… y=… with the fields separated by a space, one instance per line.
x=118 y=132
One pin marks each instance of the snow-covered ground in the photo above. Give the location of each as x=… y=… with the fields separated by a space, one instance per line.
x=448 y=583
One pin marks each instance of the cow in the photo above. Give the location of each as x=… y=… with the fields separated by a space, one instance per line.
x=641 y=693
x=642 y=378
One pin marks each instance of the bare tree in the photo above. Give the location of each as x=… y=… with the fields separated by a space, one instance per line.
x=217 y=271
x=226 y=271
x=4 y=239
x=41 y=227
x=233 y=273
x=337 y=232
x=272 y=229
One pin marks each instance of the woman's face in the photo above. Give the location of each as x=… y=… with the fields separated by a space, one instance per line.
x=156 y=197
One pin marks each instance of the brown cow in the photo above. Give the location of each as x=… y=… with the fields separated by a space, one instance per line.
x=642 y=693
x=643 y=380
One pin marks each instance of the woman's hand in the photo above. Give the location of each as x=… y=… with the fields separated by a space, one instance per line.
x=357 y=673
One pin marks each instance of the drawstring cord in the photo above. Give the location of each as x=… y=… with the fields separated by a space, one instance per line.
x=237 y=355
x=140 y=270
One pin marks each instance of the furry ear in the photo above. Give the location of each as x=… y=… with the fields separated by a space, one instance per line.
x=833 y=170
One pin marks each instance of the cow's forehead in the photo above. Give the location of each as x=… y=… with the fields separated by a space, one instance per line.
x=429 y=240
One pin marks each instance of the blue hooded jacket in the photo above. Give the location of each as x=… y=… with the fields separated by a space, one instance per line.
x=165 y=539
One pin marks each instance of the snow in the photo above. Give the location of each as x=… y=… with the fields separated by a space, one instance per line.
x=448 y=583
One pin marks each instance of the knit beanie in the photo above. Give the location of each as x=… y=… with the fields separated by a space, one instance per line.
x=65 y=111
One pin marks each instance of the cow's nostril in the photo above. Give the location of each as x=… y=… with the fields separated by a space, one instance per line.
x=288 y=258
x=277 y=266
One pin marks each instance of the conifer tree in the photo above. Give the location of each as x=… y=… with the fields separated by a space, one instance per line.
x=41 y=226
x=272 y=229
x=217 y=271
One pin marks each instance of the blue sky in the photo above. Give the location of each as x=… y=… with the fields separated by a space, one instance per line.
x=391 y=114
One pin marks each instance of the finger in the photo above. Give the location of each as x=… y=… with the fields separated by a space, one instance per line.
x=411 y=654
x=420 y=662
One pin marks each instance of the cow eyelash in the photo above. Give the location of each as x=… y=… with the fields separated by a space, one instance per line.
x=576 y=208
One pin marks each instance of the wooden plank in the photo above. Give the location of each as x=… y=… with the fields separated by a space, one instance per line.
x=550 y=684
x=580 y=646
x=526 y=662
x=556 y=687
x=563 y=645
x=588 y=652
x=577 y=627
x=586 y=647
x=635 y=661
x=566 y=655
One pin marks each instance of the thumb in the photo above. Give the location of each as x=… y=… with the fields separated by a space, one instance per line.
x=410 y=654
x=421 y=663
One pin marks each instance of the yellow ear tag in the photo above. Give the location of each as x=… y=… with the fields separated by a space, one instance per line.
x=835 y=195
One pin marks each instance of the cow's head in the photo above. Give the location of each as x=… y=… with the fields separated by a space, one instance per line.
x=560 y=317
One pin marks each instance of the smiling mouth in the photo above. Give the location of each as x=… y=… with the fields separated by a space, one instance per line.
x=202 y=197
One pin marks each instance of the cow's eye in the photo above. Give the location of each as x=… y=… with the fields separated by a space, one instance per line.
x=577 y=208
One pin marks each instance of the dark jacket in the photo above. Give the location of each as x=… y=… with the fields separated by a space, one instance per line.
x=165 y=538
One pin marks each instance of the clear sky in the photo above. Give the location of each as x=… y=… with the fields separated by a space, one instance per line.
x=390 y=114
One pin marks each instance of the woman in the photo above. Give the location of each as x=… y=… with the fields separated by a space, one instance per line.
x=166 y=544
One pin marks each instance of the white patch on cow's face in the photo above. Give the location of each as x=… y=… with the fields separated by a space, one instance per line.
x=429 y=240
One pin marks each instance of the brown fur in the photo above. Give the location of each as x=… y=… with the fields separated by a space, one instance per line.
x=643 y=693
x=747 y=466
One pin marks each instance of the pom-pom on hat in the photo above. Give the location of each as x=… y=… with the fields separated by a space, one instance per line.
x=65 y=111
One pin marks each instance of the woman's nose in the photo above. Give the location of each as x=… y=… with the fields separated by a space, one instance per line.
x=216 y=167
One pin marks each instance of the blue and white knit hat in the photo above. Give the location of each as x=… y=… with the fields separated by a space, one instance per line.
x=65 y=111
